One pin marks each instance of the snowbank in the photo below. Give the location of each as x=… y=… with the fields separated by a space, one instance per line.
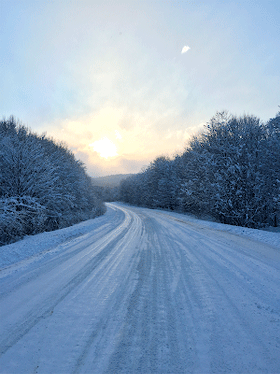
x=41 y=244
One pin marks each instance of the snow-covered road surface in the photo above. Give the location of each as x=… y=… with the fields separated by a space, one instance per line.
x=144 y=292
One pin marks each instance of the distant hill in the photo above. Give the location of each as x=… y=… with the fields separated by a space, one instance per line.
x=110 y=180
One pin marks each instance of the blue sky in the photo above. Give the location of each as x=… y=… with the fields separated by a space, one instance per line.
x=109 y=79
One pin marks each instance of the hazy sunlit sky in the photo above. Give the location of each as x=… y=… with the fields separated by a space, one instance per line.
x=122 y=82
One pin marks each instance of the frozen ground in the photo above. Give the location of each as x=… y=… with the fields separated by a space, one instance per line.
x=141 y=291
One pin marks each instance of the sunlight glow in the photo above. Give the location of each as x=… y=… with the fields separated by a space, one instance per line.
x=118 y=135
x=105 y=147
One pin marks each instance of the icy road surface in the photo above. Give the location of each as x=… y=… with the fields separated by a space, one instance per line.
x=143 y=292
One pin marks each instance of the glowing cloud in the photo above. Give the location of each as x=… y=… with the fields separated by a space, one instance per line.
x=118 y=135
x=185 y=49
x=105 y=147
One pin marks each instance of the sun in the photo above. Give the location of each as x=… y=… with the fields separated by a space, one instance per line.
x=105 y=147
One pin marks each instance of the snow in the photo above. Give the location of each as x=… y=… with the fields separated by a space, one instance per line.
x=270 y=236
x=141 y=291
x=41 y=244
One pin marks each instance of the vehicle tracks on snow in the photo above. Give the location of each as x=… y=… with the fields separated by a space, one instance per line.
x=43 y=308
x=148 y=294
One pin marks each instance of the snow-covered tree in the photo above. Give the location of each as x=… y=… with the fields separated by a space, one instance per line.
x=231 y=171
x=228 y=171
x=42 y=185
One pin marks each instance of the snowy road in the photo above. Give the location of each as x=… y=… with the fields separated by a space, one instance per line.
x=144 y=292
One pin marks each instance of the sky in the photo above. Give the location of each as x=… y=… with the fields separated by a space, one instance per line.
x=122 y=82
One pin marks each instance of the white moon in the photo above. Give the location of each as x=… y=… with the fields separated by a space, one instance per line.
x=185 y=49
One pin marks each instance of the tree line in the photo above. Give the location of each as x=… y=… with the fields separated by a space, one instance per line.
x=42 y=186
x=231 y=171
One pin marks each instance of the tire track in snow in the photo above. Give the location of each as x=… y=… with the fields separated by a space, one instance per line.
x=165 y=297
x=155 y=337
x=55 y=256
x=100 y=251
x=235 y=324
x=102 y=332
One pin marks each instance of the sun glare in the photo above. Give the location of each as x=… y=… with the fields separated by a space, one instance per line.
x=105 y=147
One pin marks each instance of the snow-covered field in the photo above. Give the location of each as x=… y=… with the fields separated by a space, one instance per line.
x=141 y=291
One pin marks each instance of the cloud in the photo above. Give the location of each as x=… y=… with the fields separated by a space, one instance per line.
x=118 y=135
x=185 y=49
